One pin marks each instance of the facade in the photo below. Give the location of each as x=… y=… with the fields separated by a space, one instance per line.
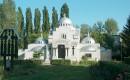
x=90 y=49
x=65 y=40
x=65 y=43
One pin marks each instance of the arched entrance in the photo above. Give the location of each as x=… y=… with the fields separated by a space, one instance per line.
x=61 y=51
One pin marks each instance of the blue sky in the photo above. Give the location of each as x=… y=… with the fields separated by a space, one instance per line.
x=84 y=11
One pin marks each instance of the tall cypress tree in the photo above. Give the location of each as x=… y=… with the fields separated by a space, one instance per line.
x=126 y=37
x=29 y=25
x=37 y=19
x=54 y=19
x=46 y=23
x=20 y=20
x=64 y=10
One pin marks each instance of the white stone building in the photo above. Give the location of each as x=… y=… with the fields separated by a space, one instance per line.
x=90 y=49
x=65 y=41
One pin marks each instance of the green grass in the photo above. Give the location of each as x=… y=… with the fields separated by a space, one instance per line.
x=32 y=71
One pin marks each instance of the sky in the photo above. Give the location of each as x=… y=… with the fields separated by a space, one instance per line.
x=84 y=11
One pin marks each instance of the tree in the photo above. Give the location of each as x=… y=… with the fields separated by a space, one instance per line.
x=85 y=28
x=9 y=14
x=98 y=32
x=29 y=25
x=37 y=20
x=64 y=10
x=54 y=19
x=46 y=23
x=111 y=26
x=125 y=35
x=20 y=21
x=1 y=17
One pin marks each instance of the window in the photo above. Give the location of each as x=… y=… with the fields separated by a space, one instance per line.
x=88 y=55
x=63 y=36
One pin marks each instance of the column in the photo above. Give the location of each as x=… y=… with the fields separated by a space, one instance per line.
x=56 y=53
x=53 y=53
x=66 y=55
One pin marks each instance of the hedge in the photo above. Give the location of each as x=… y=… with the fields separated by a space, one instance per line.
x=127 y=60
x=24 y=62
x=60 y=62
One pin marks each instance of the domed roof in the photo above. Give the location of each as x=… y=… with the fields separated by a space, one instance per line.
x=88 y=40
x=65 y=21
x=40 y=40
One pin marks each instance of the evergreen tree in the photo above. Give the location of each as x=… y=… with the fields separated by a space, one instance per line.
x=9 y=13
x=20 y=21
x=126 y=38
x=64 y=10
x=46 y=23
x=29 y=26
x=37 y=19
x=54 y=19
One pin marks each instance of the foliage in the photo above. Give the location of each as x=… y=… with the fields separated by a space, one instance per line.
x=86 y=62
x=1 y=17
x=8 y=14
x=98 y=32
x=29 y=24
x=60 y=62
x=37 y=19
x=111 y=26
x=126 y=37
x=109 y=40
x=46 y=23
x=85 y=28
x=54 y=19
x=127 y=60
x=64 y=10
x=33 y=37
x=20 y=21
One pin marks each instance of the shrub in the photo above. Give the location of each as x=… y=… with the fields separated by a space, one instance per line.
x=86 y=62
x=27 y=62
x=127 y=60
x=60 y=62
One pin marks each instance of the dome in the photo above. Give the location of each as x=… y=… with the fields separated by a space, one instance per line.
x=88 y=40
x=40 y=40
x=64 y=21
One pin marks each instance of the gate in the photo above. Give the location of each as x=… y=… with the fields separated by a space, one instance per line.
x=8 y=47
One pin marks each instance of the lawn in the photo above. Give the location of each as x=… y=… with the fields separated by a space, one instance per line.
x=28 y=70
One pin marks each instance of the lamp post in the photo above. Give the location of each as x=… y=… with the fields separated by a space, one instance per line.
x=121 y=48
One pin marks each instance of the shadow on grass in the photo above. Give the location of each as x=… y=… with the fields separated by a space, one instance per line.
x=30 y=70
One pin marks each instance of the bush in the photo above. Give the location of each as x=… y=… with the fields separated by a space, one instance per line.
x=127 y=60
x=86 y=62
x=26 y=62
x=60 y=62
